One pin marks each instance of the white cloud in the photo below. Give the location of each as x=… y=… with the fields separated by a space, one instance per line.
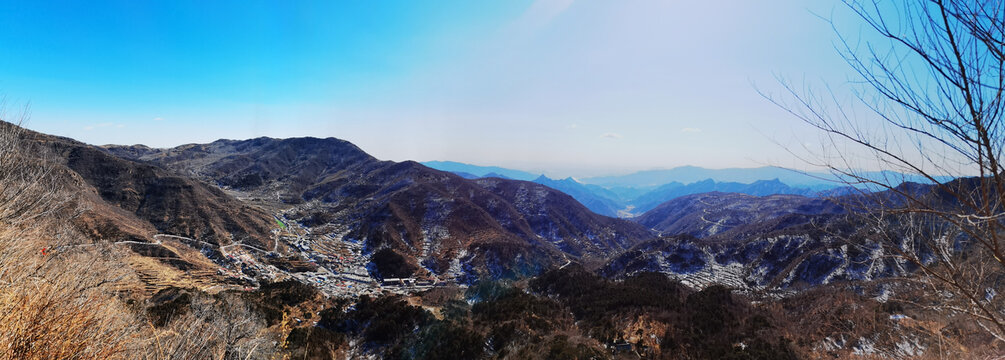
x=158 y=118
x=690 y=130
x=572 y=126
x=611 y=136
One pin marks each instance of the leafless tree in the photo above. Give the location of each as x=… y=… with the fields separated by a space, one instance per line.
x=28 y=192
x=54 y=304
x=929 y=104
x=215 y=327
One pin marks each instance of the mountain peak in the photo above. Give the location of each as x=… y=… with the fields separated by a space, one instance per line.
x=496 y=175
x=704 y=182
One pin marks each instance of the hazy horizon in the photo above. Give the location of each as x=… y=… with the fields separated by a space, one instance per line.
x=553 y=174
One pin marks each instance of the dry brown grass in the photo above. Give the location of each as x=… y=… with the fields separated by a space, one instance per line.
x=56 y=306
x=59 y=291
x=216 y=327
x=54 y=298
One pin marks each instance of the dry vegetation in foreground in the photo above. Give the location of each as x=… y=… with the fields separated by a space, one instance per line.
x=54 y=297
x=57 y=305
x=61 y=295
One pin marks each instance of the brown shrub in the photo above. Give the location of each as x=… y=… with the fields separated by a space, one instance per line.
x=55 y=299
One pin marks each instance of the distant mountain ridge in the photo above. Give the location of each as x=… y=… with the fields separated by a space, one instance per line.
x=674 y=190
x=595 y=198
x=480 y=171
x=817 y=181
x=634 y=194
x=626 y=201
x=692 y=174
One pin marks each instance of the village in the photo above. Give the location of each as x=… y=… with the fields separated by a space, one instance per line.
x=325 y=259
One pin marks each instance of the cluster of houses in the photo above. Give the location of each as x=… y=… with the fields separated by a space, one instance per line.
x=410 y=283
x=343 y=268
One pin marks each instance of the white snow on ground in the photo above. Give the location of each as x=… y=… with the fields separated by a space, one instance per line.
x=884 y=295
x=876 y=265
x=840 y=270
x=433 y=227
x=909 y=348
x=905 y=349
x=730 y=275
x=759 y=274
x=864 y=347
x=456 y=268
x=830 y=344
x=531 y=203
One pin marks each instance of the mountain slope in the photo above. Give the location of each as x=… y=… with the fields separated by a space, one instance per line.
x=436 y=220
x=170 y=203
x=282 y=168
x=708 y=214
x=772 y=242
x=120 y=206
x=673 y=190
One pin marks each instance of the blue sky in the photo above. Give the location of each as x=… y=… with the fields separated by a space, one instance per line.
x=568 y=87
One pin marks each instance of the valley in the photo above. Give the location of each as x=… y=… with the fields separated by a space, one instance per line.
x=315 y=235
x=502 y=180
x=351 y=226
